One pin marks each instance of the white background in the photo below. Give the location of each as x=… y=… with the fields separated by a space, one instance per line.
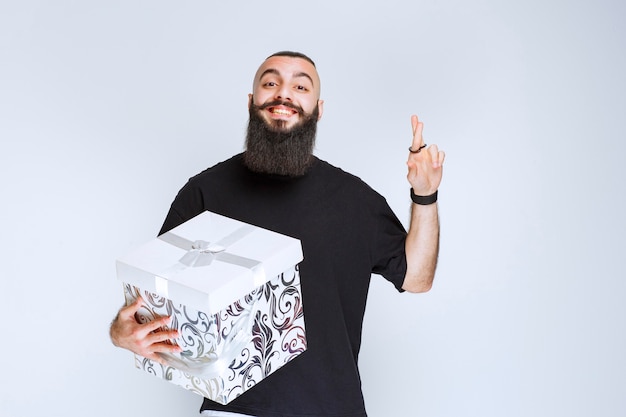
x=108 y=107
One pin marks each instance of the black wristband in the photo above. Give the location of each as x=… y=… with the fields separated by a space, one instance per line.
x=424 y=200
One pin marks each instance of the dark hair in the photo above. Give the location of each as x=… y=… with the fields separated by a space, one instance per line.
x=292 y=54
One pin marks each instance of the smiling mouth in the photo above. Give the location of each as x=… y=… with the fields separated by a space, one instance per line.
x=282 y=111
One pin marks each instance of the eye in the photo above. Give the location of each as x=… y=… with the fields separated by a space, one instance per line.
x=301 y=88
x=269 y=84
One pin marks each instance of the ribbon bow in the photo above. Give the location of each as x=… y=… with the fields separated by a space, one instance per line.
x=201 y=253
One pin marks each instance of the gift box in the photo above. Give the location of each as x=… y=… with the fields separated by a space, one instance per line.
x=233 y=292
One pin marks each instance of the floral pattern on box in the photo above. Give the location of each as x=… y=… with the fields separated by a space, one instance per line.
x=227 y=353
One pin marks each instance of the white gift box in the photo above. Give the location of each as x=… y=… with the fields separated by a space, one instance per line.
x=233 y=292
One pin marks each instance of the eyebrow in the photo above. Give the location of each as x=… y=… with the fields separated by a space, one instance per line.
x=276 y=72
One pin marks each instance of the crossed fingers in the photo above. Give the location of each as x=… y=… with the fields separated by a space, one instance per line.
x=424 y=162
x=418 y=144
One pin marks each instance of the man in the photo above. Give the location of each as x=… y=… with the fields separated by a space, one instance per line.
x=347 y=232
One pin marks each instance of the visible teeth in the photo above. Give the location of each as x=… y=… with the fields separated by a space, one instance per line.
x=281 y=111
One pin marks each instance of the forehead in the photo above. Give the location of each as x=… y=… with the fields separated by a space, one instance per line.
x=288 y=67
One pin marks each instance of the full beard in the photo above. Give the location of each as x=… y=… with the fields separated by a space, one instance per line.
x=274 y=149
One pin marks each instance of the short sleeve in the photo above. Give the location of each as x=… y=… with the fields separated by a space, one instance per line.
x=388 y=250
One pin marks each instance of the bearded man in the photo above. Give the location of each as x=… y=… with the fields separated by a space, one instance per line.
x=347 y=231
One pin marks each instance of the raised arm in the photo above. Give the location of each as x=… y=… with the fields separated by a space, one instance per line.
x=425 y=165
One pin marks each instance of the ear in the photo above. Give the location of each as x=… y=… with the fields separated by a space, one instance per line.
x=249 y=100
x=320 y=105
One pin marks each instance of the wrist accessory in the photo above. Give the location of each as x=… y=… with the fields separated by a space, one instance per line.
x=424 y=200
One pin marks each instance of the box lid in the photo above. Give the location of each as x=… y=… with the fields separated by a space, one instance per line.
x=209 y=262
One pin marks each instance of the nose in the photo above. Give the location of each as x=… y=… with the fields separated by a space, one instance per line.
x=283 y=93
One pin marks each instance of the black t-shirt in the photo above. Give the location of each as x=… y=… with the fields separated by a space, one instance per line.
x=347 y=232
